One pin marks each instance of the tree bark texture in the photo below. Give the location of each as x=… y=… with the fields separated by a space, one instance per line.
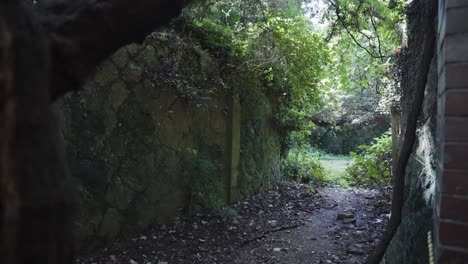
x=409 y=134
x=396 y=115
x=47 y=50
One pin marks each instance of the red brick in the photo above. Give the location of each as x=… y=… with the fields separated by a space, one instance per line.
x=454 y=208
x=456 y=3
x=456 y=103
x=456 y=20
x=452 y=257
x=456 y=48
x=456 y=75
x=451 y=234
x=455 y=182
x=456 y=156
x=456 y=129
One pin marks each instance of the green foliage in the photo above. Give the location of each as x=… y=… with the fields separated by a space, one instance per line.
x=300 y=166
x=339 y=74
x=273 y=40
x=206 y=187
x=372 y=163
x=361 y=84
x=341 y=140
x=334 y=166
x=296 y=61
x=219 y=37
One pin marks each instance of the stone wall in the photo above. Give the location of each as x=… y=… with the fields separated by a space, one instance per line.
x=155 y=126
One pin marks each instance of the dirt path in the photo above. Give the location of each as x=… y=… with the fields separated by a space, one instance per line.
x=284 y=226
x=323 y=238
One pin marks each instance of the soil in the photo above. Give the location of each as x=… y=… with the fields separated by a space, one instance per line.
x=288 y=225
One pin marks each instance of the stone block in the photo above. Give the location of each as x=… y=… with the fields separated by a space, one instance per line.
x=120 y=58
x=133 y=73
x=110 y=224
x=106 y=73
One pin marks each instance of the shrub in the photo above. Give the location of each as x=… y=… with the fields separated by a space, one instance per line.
x=300 y=166
x=372 y=163
x=220 y=37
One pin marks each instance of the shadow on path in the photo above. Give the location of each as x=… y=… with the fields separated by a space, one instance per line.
x=287 y=225
x=324 y=238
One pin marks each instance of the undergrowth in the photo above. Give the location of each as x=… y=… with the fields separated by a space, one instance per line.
x=300 y=166
x=369 y=166
x=372 y=163
x=207 y=188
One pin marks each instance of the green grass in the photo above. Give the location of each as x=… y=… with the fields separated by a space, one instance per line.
x=335 y=170
x=335 y=167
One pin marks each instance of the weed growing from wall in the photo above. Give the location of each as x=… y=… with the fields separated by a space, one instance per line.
x=206 y=186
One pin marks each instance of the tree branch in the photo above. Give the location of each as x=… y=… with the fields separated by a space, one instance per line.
x=378 y=37
x=345 y=26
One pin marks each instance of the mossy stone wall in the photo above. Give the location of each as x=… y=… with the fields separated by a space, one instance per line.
x=139 y=125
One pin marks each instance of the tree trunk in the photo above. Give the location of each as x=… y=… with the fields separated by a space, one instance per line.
x=395 y=112
x=409 y=135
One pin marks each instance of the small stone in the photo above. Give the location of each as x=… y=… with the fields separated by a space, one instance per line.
x=132 y=73
x=133 y=49
x=277 y=249
x=272 y=222
x=349 y=221
x=106 y=73
x=342 y=216
x=120 y=58
x=147 y=56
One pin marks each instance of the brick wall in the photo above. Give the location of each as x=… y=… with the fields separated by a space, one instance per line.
x=451 y=211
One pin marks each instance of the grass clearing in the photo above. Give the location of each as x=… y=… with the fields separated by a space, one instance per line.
x=335 y=167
